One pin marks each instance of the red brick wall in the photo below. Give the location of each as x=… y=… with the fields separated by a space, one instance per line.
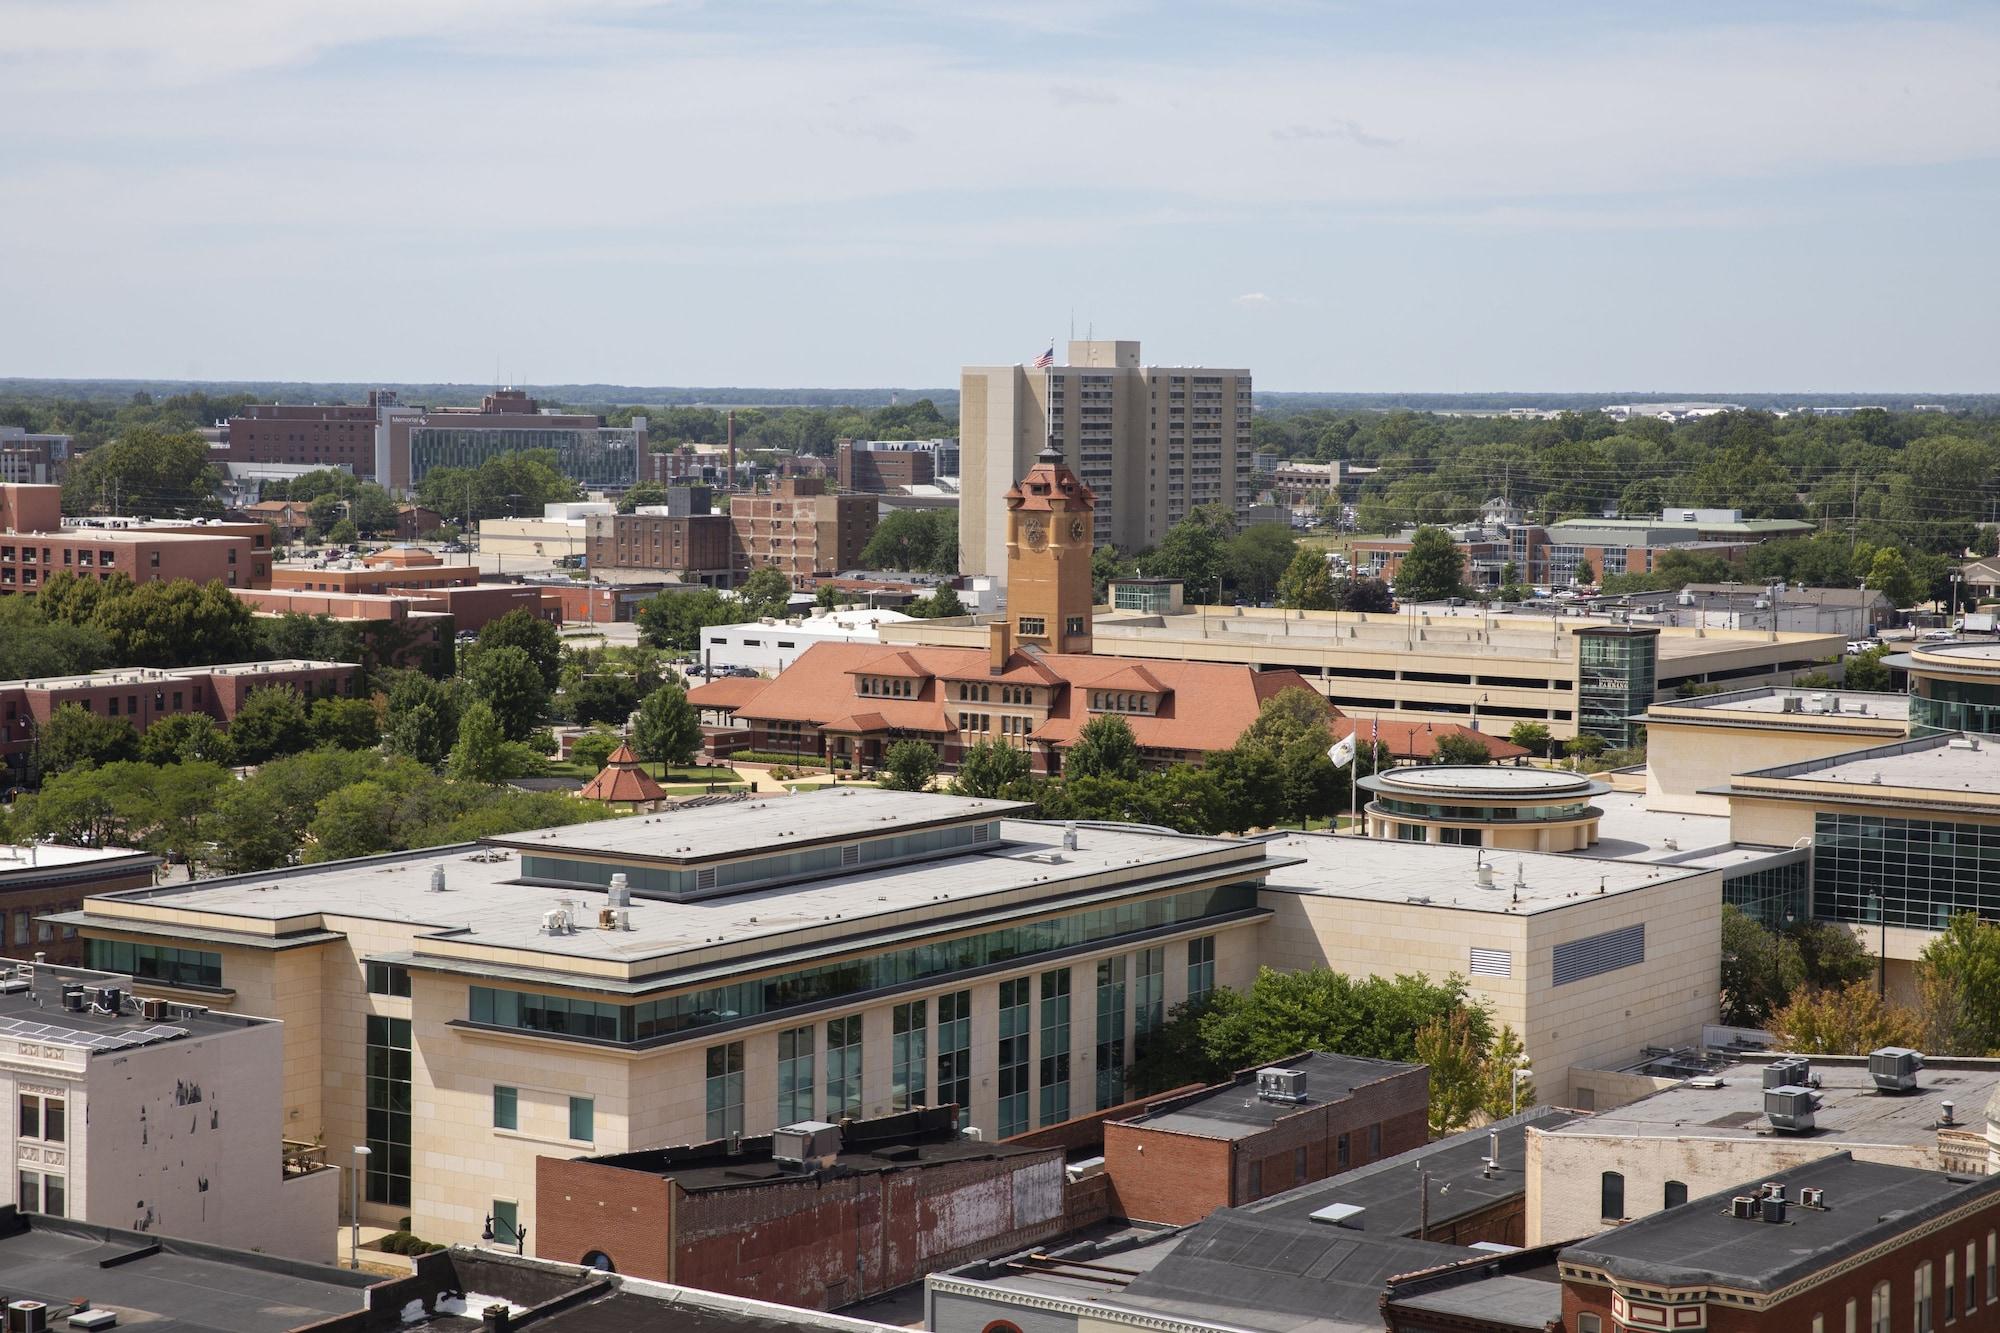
x=581 y=1206
x=1181 y=1177
x=35 y=900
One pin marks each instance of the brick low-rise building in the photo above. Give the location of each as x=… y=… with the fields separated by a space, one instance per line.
x=144 y=695
x=1263 y=1132
x=801 y=529
x=36 y=543
x=40 y=878
x=871 y=1205
x=681 y=536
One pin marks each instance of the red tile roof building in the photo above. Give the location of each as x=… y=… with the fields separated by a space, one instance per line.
x=852 y=700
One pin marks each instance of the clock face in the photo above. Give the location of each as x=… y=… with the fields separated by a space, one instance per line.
x=1077 y=528
x=1036 y=534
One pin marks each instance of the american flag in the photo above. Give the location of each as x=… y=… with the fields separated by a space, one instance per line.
x=1046 y=359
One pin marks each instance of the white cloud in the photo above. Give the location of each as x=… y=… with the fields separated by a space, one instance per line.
x=1253 y=299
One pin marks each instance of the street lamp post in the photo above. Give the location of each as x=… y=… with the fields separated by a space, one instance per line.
x=361 y=1154
x=1882 y=953
x=520 y=1234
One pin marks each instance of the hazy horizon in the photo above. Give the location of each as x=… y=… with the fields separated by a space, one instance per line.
x=638 y=192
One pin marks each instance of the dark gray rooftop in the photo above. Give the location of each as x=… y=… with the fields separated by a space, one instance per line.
x=1278 y=1274
x=32 y=1010
x=1701 y=1243
x=1236 y=1111
x=1504 y=1301
x=1391 y=1189
x=179 y=1289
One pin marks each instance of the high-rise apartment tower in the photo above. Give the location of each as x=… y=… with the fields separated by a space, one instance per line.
x=1151 y=443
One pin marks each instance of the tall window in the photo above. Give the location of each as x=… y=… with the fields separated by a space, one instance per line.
x=725 y=1090
x=1201 y=966
x=1923 y=1297
x=1014 y=1028
x=583 y=1119
x=843 y=1066
x=388 y=1056
x=1971 y=1279
x=1611 y=1196
x=1950 y=1286
x=41 y=1193
x=1878 y=1310
x=506 y=1107
x=506 y=1222
x=1110 y=1032
x=1676 y=1194
x=1055 y=1046
x=906 y=1072
x=795 y=1075
x=1993 y=1265
x=1589 y=1323
x=43 y=1118
x=954 y=1039
x=1149 y=991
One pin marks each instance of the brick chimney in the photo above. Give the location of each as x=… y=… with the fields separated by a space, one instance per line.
x=1000 y=642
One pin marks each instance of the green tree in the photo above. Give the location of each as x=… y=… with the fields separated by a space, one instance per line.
x=1432 y=569
x=356 y=820
x=75 y=737
x=827 y=597
x=94 y=806
x=1365 y=594
x=1107 y=566
x=642 y=493
x=591 y=749
x=767 y=592
x=1453 y=748
x=608 y=696
x=1890 y=575
x=1503 y=1094
x=1531 y=736
x=1255 y=559
x=481 y=752
x=372 y=510
x=1853 y=1021
x=1104 y=748
x=942 y=604
x=1753 y=969
x=272 y=721
x=1307 y=584
x=185 y=738
x=1192 y=552
x=923 y=541
x=1864 y=671
x=668 y=729
x=349 y=724
x=145 y=470
x=532 y=635
x=343 y=533
x=1457 y=1071
x=909 y=765
x=1962 y=965
x=1585 y=572
x=992 y=769
x=507 y=679
x=1585 y=747
x=175 y=623
x=675 y=620
x=1294 y=729
x=422 y=719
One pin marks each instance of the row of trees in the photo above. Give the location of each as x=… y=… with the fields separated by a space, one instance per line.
x=1409 y=1018
x=1816 y=985
x=674 y=620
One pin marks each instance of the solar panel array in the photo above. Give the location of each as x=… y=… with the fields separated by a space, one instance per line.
x=23 y=1029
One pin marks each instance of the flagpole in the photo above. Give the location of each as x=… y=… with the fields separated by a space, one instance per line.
x=1354 y=788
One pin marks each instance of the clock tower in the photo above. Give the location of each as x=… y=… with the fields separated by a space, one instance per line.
x=1048 y=558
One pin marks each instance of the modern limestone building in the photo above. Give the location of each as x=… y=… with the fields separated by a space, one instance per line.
x=464 y=1010
x=1152 y=442
x=1589 y=960
x=166 y=1121
x=1694 y=746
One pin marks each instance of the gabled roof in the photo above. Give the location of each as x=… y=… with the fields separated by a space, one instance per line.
x=623 y=780
x=1204 y=705
x=727 y=694
x=891 y=664
x=1133 y=677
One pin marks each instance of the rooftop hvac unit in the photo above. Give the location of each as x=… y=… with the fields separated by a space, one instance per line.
x=1792 y=1071
x=1773 y=1208
x=152 y=1009
x=1281 y=1085
x=1790 y=1109
x=73 y=999
x=27 y=1317
x=1894 y=1068
x=1812 y=1197
x=806 y=1146
x=1743 y=1206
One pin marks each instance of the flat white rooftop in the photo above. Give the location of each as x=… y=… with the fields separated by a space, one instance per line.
x=1930 y=763
x=1812 y=704
x=156 y=675
x=1434 y=875
x=1628 y=831
x=15 y=857
x=482 y=906
x=1851 y=1109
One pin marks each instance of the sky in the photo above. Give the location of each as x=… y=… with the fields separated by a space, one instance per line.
x=1340 y=196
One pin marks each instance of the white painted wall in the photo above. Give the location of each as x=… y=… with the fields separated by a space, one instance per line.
x=769 y=646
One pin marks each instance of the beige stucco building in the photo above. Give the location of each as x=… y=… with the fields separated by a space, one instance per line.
x=1694 y=746
x=1707 y=1135
x=1492 y=670
x=463 y=1010
x=1484 y=805
x=1589 y=960
x=1151 y=442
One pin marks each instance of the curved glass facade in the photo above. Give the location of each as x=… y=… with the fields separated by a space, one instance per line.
x=1482 y=814
x=1953 y=705
x=632 y=1023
